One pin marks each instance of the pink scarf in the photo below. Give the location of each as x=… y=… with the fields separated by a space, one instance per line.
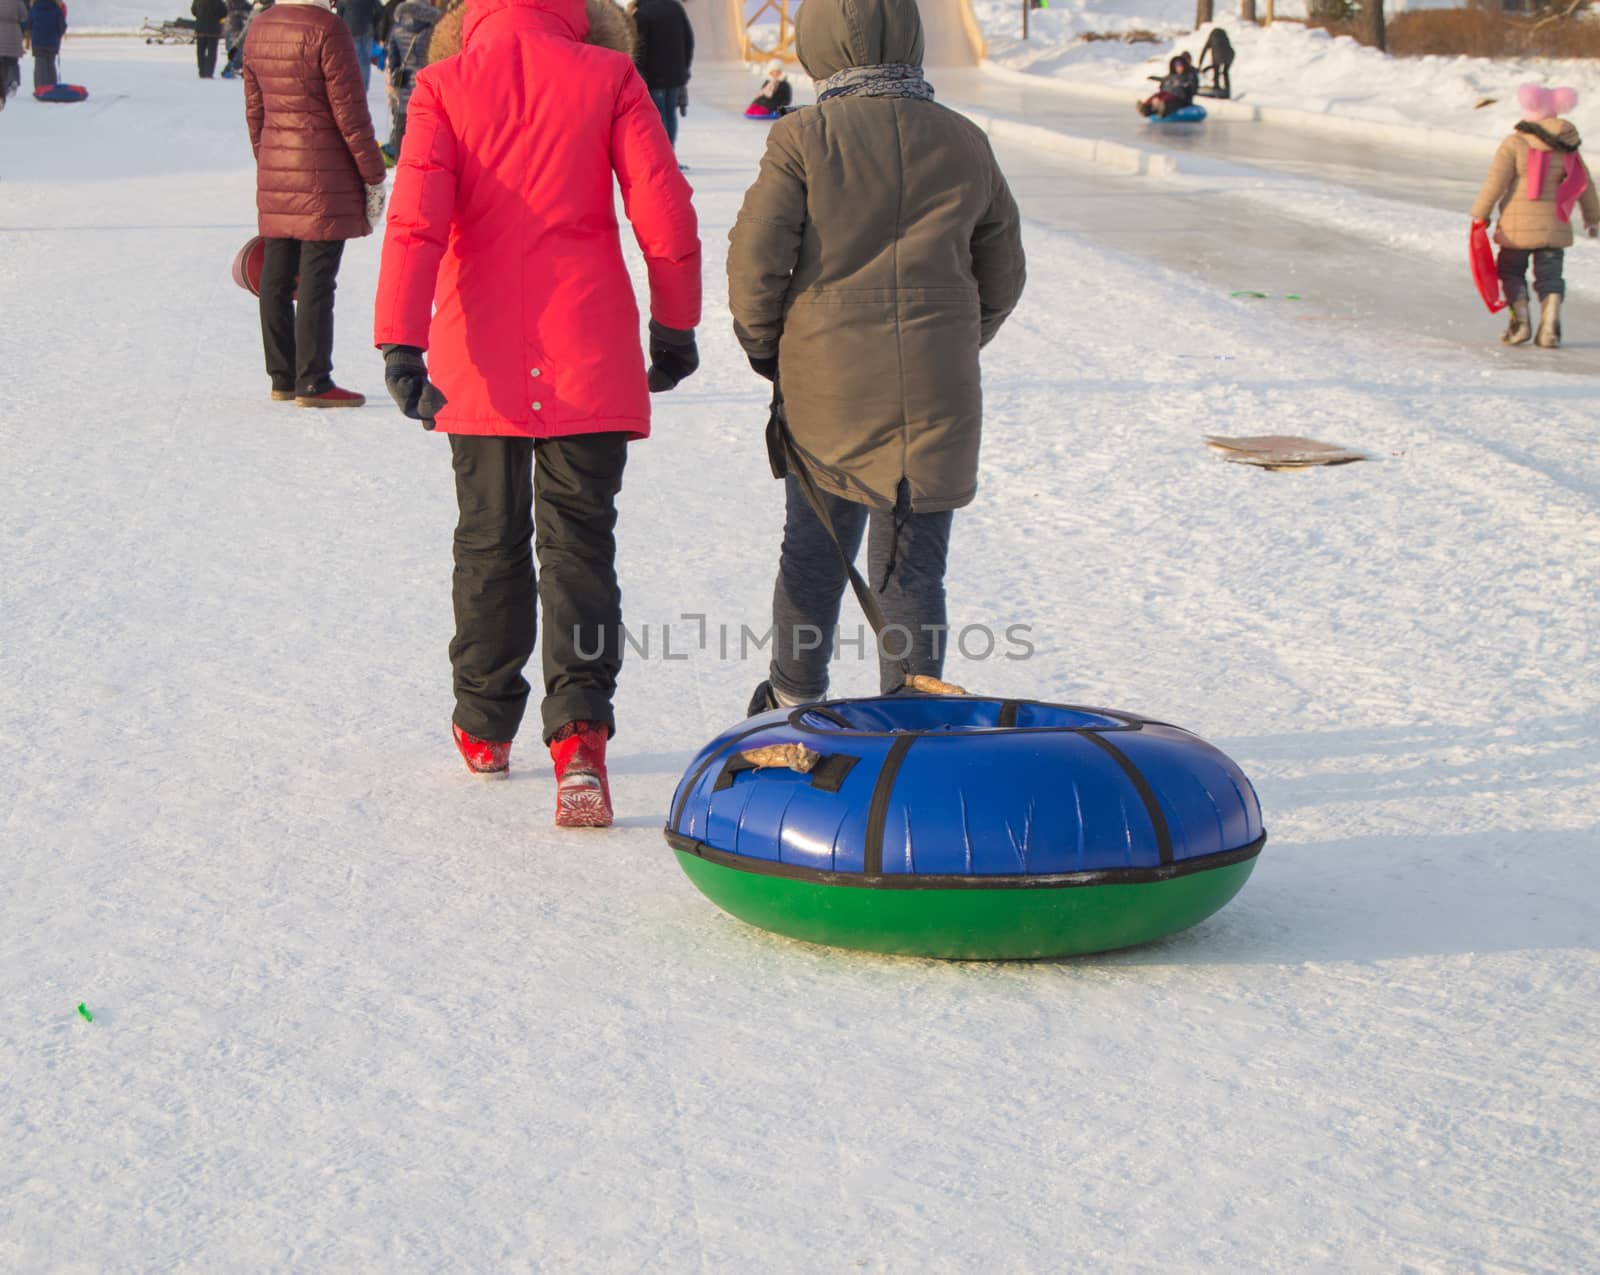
x=1574 y=180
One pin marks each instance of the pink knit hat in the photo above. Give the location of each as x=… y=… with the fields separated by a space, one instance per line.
x=1539 y=103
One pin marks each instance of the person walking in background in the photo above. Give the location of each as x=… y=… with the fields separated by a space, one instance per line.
x=878 y=250
x=13 y=26
x=319 y=182
x=47 y=23
x=1537 y=179
x=209 y=16
x=359 y=16
x=410 y=26
x=665 y=54
x=502 y=263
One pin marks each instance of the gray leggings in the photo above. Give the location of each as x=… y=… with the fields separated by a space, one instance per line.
x=1512 y=267
x=906 y=555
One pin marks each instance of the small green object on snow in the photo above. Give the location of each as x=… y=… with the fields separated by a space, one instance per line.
x=1290 y=296
x=83 y=1011
x=1256 y=296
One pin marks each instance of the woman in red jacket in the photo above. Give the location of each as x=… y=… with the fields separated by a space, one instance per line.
x=503 y=262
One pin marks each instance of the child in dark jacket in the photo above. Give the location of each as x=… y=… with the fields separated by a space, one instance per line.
x=1178 y=89
x=47 y=23
x=775 y=96
x=411 y=26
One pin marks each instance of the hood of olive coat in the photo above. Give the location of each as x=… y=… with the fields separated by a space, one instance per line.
x=835 y=35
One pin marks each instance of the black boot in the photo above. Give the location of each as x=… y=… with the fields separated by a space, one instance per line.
x=763 y=701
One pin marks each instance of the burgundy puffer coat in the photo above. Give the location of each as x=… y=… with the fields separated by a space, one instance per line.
x=309 y=125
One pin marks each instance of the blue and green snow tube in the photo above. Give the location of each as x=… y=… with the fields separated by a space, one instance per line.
x=967 y=828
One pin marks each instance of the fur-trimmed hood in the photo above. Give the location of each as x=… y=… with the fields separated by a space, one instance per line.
x=598 y=22
x=1551 y=135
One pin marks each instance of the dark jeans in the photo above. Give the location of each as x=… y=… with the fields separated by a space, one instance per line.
x=561 y=493
x=363 y=39
x=906 y=555
x=1512 y=267
x=44 y=67
x=205 y=53
x=666 y=101
x=298 y=333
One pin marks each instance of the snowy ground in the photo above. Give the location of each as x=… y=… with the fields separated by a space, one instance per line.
x=355 y=1012
x=1283 y=65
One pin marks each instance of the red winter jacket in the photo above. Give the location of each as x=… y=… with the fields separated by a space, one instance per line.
x=502 y=256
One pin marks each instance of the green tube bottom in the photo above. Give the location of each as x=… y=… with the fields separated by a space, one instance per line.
x=969 y=923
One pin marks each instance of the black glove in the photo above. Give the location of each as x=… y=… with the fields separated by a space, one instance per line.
x=764 y=367
x=673 y=357
x=406 y=377
x=683 y=100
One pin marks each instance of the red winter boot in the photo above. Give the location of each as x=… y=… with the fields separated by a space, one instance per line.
x=583 y=797
x=333 y=396
x=483 y=756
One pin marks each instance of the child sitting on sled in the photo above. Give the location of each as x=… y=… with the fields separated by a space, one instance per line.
x=775 y=96
x=1536 y=180
x=1178 y=89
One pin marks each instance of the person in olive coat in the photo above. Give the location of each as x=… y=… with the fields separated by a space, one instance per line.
x=878 y=250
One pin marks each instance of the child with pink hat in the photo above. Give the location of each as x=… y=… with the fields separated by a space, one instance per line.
x=1536 y=180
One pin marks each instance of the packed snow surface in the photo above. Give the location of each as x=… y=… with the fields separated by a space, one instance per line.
x=355 y=1011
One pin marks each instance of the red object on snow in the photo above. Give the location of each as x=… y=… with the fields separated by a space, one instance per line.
x=483 y=756
x=1483 y=272
x=247 y=266
x=583 y=794
x=502 y=257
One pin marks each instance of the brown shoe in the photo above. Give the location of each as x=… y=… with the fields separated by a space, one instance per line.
x=282 y=396
x=333 y=396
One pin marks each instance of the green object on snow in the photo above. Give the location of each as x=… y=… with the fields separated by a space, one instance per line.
x=83 y=1012
x=1019 y=923
x=1257 y=296
x=1291 y=297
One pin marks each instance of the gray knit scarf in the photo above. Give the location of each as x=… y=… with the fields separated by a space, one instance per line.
x=893 y=79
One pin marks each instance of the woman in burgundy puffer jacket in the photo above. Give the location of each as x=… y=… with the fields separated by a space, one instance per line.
x=503 y=261
x=319 y=181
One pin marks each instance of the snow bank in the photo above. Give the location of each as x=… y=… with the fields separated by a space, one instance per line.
x=1285 y=65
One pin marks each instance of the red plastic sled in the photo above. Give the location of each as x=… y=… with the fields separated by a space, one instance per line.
x=247 y=266
x=60 y=93
x=1483 y=272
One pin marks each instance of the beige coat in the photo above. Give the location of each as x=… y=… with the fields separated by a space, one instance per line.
x=1532 y=223
x=877 y=251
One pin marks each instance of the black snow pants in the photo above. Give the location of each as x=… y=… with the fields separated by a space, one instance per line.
x=560 y=493
x=298 y=334
x=205 y=54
